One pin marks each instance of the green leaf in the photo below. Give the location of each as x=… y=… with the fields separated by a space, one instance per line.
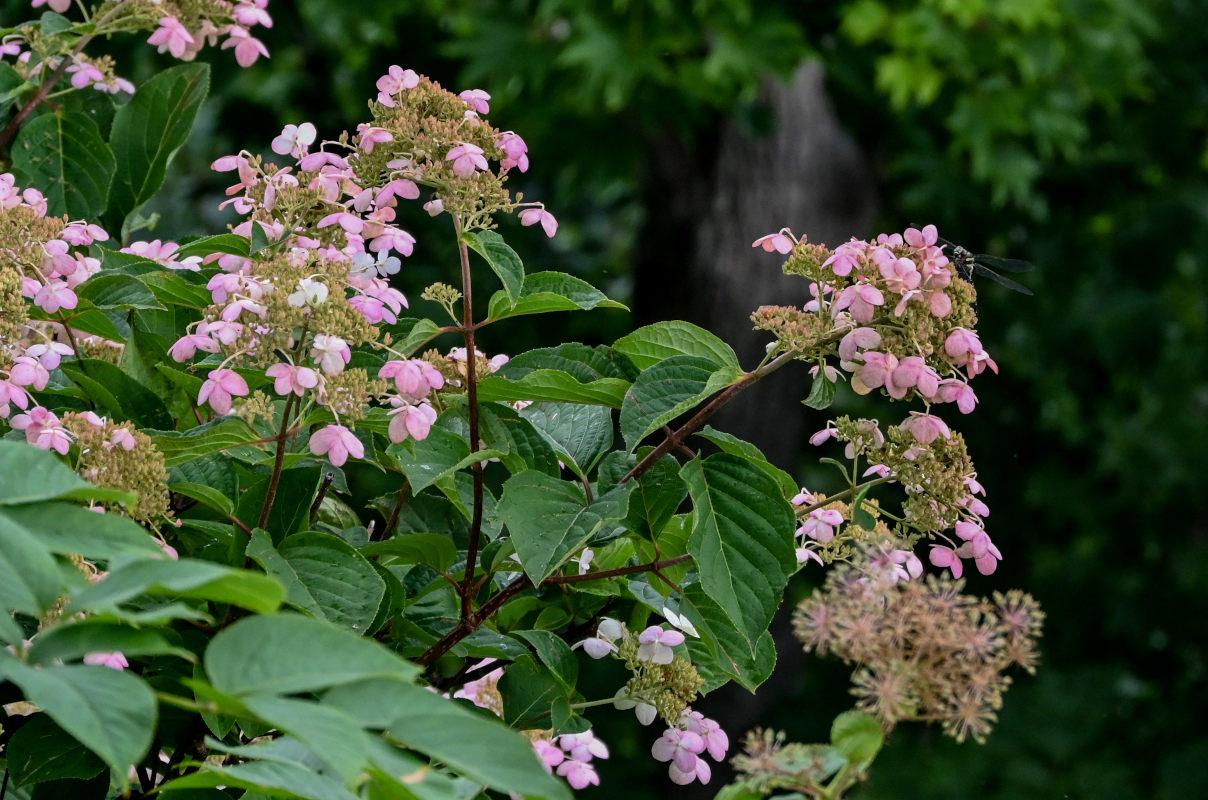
x=69 y=529
x=555 y=653
x=668 y=389
x=296 y=491
x=544 y=292
x=732 y=444
x=553 y=386
x=111 y=713
x=171 y=288
x=65 y=156
x=504 y=428
x=42 y=751
x=118 y=291
x=290 y=653
x=71 y=642
x=439 y=455
x=206 y=495
x=822 y=393
x=329 y=733
x=31 y=474
x=117 y=394
x=52 y=23
x=29 y=577
x=585 y=364
x=858 y=736
x=549 y=519
x=220 y=243
x=149 y=130
x=723 y=652
x=742 y=539
x=411 y=334
x=263 y=779
x=580 y=434
x=187 y=578
x=213 y=437
x=471 y=744
x=658 y=494
x=649 y=345
x=90 y=319
x=323 y=575
x=529 y=692
x=501 y=258
x=434 y=549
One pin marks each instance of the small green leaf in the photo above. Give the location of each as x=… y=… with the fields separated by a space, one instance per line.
x=502 y=260
x=65 y=156
x=52 y=23
x=207 y=495
x=858 y=736
x=649 y=345
x=117 y=394
x=290 y=653
x=822 y=392
x=555 y=654
x=329 y=733
x=229 y=243
x=434 y=549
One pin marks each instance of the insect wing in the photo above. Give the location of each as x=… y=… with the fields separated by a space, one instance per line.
x=1004 y=264
x=982 y=269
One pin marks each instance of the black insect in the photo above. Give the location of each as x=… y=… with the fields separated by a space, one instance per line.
x=968 y=263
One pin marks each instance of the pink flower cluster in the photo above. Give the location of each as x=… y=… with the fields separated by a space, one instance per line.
x=234 y=21
x=684 y=744
x=570 y=755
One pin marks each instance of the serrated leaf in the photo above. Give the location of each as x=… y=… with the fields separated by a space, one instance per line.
x=549 y=519
x=230 y=243
x=649 y=345
x=581 y=434
x=90 y=319
x=149 y=130
x=545 y=292
x=290 y=653
x=555 y=654
x=168 y=287
x=502 y=259
x=323 y=575
x=658 y=495
x=822 y=393
x=187 y=578
x=585 y=364
x=723 y=653
x=529 y=692
x=505 y=429
x=118 y=291
x=434 y=549
x=668 y=389
x=213 y=437
x=742 y=539
x=553 y=386
x=441 y=454
x=65 y=156
x=732 y=444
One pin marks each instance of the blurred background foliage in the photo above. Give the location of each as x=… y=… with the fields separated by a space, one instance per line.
x=1071 y=133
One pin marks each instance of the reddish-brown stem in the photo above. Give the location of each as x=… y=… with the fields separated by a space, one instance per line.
x=654 y=566
x=318 y=503
x=467 y=326
x=395 y=511
x=274 y=481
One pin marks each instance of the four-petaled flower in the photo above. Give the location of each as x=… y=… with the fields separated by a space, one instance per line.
x=219 y=387
x=655 y=643
x=539 y=216
x=337 y=443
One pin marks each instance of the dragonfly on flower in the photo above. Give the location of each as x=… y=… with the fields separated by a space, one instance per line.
x=968 y=263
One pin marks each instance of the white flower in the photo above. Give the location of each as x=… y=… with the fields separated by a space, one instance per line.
x=645 y=711
x=680 y=622
x=310 y=293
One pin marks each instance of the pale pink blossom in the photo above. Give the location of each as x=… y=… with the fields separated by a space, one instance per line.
x=820 y=525
x=477 y=100
x=926 y=428
x=370 y=136
x=539 y=216
x=247 y=47
x=294 y=140
x=655 y=643
x=862 y=298
x=959 y=392
x=927 y=237
x=28 y=371
x=219 y=387
x=775 y=242
x=680 y=747
x=43 y=430
x=700 y=771
x=58 y=6
x=394 y=81
x=288 y=378
x=337 y=443
x=331 y=353
x=550 y=754
x=113 y=660
x=414 y=421
x=171 y=36
x=578 y=774
x=715 y=739
x=467 y=158
x=515 y=152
